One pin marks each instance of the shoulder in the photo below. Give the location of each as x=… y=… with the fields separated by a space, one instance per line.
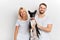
x=49 y=20
x=18 y=21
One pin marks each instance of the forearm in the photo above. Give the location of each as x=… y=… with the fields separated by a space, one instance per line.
x=15 y=33
x=46 y=29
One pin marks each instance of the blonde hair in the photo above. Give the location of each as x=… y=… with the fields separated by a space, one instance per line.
x=19 y=12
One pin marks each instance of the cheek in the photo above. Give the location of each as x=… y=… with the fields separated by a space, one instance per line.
x=21 y=14
x=24 y=13
x=41 y=9
x=44 y=10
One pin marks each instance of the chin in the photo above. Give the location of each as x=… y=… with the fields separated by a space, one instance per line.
x=41 y=13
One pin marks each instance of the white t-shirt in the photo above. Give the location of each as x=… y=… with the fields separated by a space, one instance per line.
x=43 y=22
x=23 y=33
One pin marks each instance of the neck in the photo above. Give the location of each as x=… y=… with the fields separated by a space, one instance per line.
x=32 y=18
x=24 y=18
x=41 y=15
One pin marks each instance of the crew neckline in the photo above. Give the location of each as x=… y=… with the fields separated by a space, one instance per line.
x=23 y=20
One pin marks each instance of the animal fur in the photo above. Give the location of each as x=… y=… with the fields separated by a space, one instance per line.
x=34 y=33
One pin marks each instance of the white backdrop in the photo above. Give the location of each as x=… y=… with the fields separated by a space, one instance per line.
x=9 y=11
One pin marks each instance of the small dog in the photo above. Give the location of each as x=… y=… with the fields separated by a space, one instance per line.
x=34 y=32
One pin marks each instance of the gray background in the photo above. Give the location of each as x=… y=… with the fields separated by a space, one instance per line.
x=9 y=15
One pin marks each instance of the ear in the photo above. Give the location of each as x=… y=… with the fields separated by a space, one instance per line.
x=35 y=11
x=29 y=12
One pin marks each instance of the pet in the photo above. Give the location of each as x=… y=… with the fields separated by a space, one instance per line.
x=34 y=33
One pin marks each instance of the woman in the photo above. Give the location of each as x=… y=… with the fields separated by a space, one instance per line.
x=22 y=25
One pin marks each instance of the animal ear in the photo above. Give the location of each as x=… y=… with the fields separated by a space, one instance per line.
x=35 y=11
x=29 y=12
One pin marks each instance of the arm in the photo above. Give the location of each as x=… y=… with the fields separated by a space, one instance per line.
x=46 y=29
x=16 y=32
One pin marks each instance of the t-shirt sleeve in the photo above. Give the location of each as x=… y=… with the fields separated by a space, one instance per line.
x=49 y=21
x=17 y=23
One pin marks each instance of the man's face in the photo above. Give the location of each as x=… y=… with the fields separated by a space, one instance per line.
x=42 y=9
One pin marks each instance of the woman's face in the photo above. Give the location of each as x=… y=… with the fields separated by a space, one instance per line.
x=23 y=13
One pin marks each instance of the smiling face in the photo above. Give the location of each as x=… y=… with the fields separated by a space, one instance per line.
x=22 y=13
x=42 y=8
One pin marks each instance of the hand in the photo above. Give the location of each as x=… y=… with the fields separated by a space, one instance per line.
x=33 y=26
x=39 y=26
x=33 y=23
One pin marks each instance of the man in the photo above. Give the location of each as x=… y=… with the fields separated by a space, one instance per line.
x=43 y=22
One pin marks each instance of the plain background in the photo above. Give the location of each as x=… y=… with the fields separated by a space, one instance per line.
x=9 y=15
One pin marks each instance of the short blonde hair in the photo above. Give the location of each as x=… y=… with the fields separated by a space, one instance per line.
x=19 y=13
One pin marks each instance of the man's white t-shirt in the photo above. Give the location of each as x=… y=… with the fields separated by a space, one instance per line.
x=43 y=22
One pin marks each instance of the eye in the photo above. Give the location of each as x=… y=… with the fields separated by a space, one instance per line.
x=24 y=11
x=44 y=8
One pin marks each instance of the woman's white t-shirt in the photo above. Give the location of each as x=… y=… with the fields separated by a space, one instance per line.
x=43 y=22
x=23 y=32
